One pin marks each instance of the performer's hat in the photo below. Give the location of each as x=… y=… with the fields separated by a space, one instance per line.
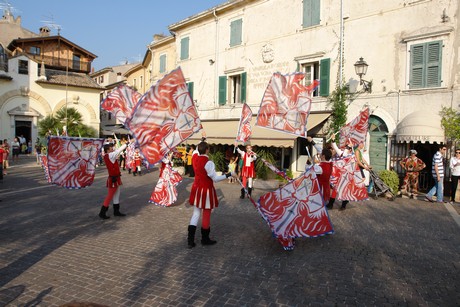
x=413 y=151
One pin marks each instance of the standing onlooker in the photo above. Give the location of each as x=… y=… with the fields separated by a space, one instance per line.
x=248 y=172
x=22 y=143
x=113 y=181
x=437 y=170
x=203 y=195
x=16 y=146
x=189 y=155
x=29 y=147
x=455 y=173
x=6 y=155
x=232 y=168
x=412 y=165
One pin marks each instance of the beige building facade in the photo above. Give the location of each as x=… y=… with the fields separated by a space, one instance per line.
x=412 y=49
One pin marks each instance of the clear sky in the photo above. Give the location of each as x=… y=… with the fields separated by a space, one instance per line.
x=114 y=30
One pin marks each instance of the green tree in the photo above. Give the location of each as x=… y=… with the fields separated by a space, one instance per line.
x=70 y=118
x=339 y=100
x=450 y=122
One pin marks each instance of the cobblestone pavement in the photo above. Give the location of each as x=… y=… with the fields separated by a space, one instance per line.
x=54 y=249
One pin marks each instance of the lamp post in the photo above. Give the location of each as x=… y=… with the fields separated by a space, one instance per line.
x=361 y=70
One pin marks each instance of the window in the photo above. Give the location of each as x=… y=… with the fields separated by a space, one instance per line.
x=184 y=48
x=23 y=67
x=232 y=89
x=141 y=83
x=425 y=65
x=162 y=63
x=101 y=79
x=190 y=89
x=236 y=27
x=76 y=62
x=311 y=13
x=3 y=59
x=317 y=70
x=35 y=50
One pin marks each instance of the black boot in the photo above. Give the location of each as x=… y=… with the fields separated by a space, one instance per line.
x=344 y=205
x=242 y=193
x=116 y=210
x=250 y=192
x=205 y=237
x=140 y=173
x=191 y=236
x=330 y=205
x=103 y=212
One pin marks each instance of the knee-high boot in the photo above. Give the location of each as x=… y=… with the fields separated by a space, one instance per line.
x=103 y=212
x=331 y=203
x=242 y=193
x=205 y=240
x=191 y=236
x=116 y=210
x=250 y=192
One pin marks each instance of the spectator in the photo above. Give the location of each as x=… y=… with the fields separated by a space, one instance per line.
x=437 y=171
x=16 y=146
x=6 y=155
x=455 y=173
x=412 y=165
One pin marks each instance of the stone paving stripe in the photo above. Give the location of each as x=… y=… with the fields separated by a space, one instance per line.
x=453 y=213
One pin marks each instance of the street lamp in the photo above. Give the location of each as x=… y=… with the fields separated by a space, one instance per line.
x=361 y=69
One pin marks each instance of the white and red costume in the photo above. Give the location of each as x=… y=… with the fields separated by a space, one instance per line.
x=114 y=178
x=323 y=171
x=203 y=195
x=248 y=171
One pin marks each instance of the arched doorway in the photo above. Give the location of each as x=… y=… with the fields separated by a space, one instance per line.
x=378 y=131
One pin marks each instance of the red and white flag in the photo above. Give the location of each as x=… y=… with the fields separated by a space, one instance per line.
x=244 y=128
x=121 y=102
x=72 y=161
x=348 y=180
x=286 y=104
x=356 y=130
x=165 y=192
x=296 y=210
x=164 y=117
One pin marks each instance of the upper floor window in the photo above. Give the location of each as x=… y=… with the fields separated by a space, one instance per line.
x=34 y=50
x=23 y=67
x=190 y=89
x=311 y=13
x=236 y=28
x=3 y=59
x=184 y=48
x=101 y=79
x=141 y=83
x=425 y=65
x=318 y=70
x=162 y=63
x=232 y=89
x=76 y=62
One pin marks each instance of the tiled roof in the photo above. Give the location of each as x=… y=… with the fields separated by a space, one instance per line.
x=69 y=78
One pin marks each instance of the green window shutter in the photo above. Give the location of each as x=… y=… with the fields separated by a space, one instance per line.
x=222 y=90
x=162 y=63
x=243 y=87
x=311 y=13
x=324 y=76
x=190 y=89
x=417 y=67
x=433 y=64
x=425 y=65
x=184 y=48
x=236 y=28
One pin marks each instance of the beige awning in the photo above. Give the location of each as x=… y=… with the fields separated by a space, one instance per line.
x=224 y=132
x=420 y=126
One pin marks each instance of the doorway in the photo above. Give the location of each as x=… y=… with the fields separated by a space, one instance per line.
x=24 y=128
x=378 y=131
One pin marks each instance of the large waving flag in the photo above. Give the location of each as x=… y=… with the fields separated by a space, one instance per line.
x=296 y=210
x=348 y=180
x=121 y=102
x=244 y=128
x=356 y=130
x=165 y=192
x=286 y=104
x=164 y=117
x=72 y=161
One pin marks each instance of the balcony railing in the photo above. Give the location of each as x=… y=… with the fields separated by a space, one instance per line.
x=62 y=63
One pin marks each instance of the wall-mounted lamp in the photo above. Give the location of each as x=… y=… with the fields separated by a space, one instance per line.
x=211 y=61
x=361 y=69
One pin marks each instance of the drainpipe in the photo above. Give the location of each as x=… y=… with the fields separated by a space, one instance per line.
x=341 y=43
x=216 y=54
